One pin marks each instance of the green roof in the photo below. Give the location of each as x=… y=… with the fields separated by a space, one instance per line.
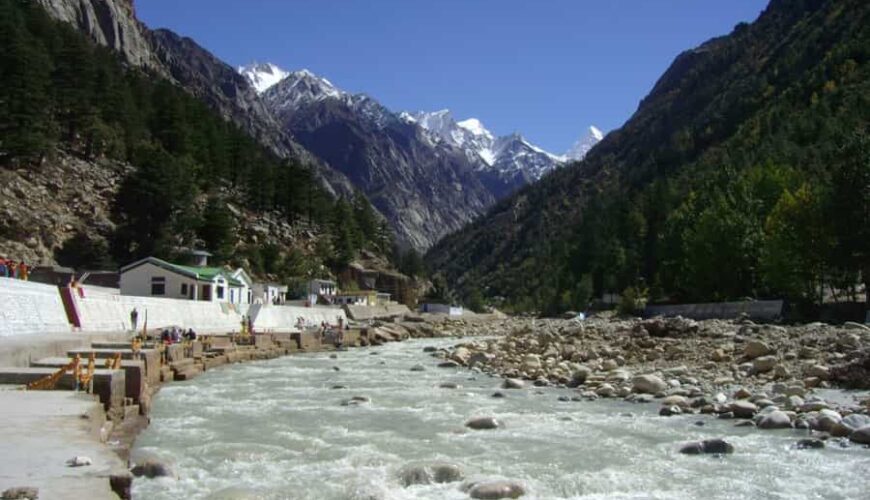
x=207 y=273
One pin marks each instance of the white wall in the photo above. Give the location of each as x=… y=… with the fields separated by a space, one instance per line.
x=102 y=311
x=30 y=308
x=137 y=282
x=269 y=318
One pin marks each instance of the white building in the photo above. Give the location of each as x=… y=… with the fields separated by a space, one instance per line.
x=269 y=293
x=153 y=277
x=436 y=308
x=325 y=289
x=246 y=293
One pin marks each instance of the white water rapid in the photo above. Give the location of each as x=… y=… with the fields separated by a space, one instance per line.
x=276 y=429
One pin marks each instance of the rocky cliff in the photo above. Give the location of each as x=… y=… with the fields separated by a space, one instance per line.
x=113 y=23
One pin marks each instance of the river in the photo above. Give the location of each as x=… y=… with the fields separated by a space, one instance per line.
x=276 y=429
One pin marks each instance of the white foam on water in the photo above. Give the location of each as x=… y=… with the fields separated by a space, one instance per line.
x=275 y=429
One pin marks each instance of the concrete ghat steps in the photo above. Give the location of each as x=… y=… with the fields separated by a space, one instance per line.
x=134 y=374
x=109 y=385
x=150 y=356
x=54 y=426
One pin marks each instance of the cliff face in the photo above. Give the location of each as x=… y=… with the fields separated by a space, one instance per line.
x=113 y=23
x=424 y=192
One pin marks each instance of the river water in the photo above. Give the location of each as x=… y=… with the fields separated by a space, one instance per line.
x=275 y=429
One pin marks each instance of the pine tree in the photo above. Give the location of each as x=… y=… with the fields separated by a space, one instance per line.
x=25 y=66
x=217 y=229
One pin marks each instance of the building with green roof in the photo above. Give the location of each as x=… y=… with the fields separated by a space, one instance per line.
x=153 y=277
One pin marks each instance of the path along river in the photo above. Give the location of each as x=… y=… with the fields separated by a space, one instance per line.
x=276 y=429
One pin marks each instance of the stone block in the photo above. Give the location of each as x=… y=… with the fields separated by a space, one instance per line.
x=134 y=374
x=109 y=385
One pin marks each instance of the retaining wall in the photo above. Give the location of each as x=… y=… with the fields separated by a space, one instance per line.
x=767 y=310
x=272 y=318
x=30 y=308
x=365 y=313
x=104 y=310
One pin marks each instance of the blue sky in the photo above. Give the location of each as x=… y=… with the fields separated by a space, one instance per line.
x=545 y=68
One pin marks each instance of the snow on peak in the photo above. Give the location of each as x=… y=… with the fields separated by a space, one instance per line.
x=584 y=144
x=469 y=135
x=474 y=126
x=262 y=75
x=594 y=132
x=302 y=87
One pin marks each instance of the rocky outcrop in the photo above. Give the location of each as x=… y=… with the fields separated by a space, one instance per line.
x=425 y=190
x=111 y=23
x=44 y=206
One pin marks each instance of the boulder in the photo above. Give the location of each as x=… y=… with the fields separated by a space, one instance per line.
x=513 y=383
x=775 y=420
x=849 y=424
x=755 y=349
x=743 y=409
x=649 y=384
x=805 y=444
x=711 y=446
x=675 y=400
x=461 y=355
x=483 y=423
x=606 y=391
x=356 y=401
x=667 y=411
x=418 y=368
x=763 y=364
x=861 y=435
x=819 y=371
x=494 y=490
x=436 y=472
x=21 y=493
x=152 y=468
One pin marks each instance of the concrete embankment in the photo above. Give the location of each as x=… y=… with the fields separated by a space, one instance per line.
x=100 y=428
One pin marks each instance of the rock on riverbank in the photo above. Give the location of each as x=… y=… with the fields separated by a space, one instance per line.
x=735 y=369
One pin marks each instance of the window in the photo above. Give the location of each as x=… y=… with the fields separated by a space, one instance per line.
x=220 y=292
x=158 y=285
x=184 y=289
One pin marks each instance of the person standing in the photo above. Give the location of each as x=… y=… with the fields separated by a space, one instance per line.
x=134 y=318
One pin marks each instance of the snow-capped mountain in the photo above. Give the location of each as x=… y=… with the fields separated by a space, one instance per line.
x=584 y=144
x=424 y=188
x=262 y=75
x=441 y=172
x=509 y=156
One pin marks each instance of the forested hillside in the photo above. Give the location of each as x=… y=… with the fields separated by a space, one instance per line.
x=60 y=94
x=744 y=173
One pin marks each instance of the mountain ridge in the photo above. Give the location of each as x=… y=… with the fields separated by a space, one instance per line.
x=681 y=198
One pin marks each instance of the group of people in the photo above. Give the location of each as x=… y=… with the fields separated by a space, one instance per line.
x=175 y=335
x=12 y=269
x=328 y=333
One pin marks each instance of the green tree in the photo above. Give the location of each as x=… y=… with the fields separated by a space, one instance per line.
x=25 y=69
x=83 y=252
x=848 y=211
x=154 y=205
x=217 y=229
x=797 y=245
